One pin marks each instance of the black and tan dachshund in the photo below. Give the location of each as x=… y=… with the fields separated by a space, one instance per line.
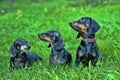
x=59 y=55
x=19 y=55
x=88 y=49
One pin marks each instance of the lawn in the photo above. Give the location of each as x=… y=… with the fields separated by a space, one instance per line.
x=30 y=18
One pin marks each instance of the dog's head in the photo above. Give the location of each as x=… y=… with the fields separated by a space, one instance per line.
x=85 y=26
x=19 y=45
x=53 y=38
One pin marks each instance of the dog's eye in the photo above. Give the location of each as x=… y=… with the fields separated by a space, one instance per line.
x=56 y=38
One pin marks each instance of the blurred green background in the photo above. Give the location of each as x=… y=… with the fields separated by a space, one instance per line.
x=27 y=18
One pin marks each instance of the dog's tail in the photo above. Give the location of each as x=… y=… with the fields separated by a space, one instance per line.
x=40 y=59
x=34 y=57
x=102 y=57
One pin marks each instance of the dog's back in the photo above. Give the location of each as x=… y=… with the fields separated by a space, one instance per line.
x=33 y=57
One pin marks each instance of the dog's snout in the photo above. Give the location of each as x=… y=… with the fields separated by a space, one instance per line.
x=72 y=23
x=41 y=36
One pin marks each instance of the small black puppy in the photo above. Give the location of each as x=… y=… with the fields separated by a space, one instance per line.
x=20 y=57
x=88 y=49
x=59 y=55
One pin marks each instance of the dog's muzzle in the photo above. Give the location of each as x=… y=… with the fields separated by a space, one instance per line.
x=25 y=47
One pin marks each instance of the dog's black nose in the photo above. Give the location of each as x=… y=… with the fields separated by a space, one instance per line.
x=29 y=47
x=38 y=34
x=71 y=23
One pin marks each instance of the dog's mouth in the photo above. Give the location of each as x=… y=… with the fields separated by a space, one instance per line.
x=24 y=48
x=79 y=27
x=45 y=38
x=74 y=26
x=23 y=51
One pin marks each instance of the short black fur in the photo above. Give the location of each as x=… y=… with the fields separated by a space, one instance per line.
x=19 y=55
x=88 y=50
x=59 y=55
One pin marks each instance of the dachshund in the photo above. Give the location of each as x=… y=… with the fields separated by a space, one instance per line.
x=19 y=55
x=59 y=55
x=88 y=49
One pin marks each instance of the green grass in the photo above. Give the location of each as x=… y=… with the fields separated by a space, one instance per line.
x=29 y=19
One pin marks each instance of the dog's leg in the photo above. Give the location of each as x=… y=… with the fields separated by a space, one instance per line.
x=94 y=61
x=77 y=59
x=79 y=55
x=102 y=57
x=11 y=67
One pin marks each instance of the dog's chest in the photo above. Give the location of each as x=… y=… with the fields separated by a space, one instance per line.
x=87 y=50
x=20 y=61
x=58 y=57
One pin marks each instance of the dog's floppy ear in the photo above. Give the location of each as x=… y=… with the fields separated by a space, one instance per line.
x=13 y=51
x=78 y=35
x=93 y=27
x=58 y=45
x=49 y=45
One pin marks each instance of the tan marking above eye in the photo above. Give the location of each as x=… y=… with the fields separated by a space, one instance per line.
x=83 y=20
x=18 y=47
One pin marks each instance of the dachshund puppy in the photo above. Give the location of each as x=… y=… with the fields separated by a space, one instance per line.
x=59 y=55
x=88 y=49
x=19 y=55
